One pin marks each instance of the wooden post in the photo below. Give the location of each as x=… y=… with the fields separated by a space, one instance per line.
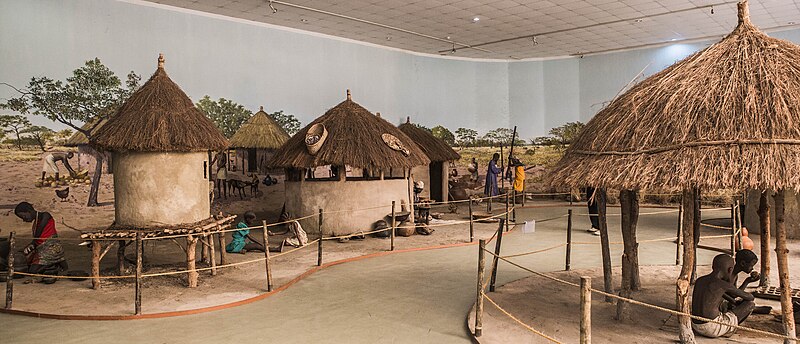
x=783 y=267
x=514 y=206
x=96 y=263
x=212 y=253
x=629 y=206
x=733 y=230
x=696 y=211
x=319 y=244
x=507 y=215
x=489 y=203
x=764 y=224
x=740 y=225
x=497 y=244
x=137 y=303
x=569 y=239
x=471 y=223
x=394 y=225
x=586 y=310
x=265 y=242
x=679 y=237
x=682 y=285
x=10 y=278
x=481 y=277
x=191 y=255
x=223 y=254
x=121 y=257
x=600 y=198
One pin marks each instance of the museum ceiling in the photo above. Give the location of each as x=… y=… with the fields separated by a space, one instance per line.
x=507 y=29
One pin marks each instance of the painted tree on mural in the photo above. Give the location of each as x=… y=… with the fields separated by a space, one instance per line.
x=466 y=137
x=287 y=121
x=226 y=114
x=444 y=134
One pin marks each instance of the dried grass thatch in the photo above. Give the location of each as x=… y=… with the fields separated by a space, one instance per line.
x=79 y=139
x=432 y=146
x=725 y=117
x=354 y=139
x=159 y=117
x=260 y=132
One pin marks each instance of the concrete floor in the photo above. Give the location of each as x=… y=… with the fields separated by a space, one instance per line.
x=414 y=297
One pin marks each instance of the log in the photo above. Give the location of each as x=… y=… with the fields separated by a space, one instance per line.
x=96 y=246
x=138 y=298
x=764 y=224
x=686 y=334
x=265 y=242
x=481 y=277
x=600 y=198
x=783 y=267
x=191 y=256
x=10 y=276
x=569 y=240
x=586 y=310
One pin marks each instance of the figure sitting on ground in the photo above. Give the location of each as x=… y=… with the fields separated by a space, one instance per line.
x=239 y=243
x=716 y=297
x=49 y=164
x=745 y=261
x=297 y=236
x=44 y=254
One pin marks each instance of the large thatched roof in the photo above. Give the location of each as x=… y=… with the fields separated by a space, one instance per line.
x=725 y=117
x=432 y=146
x=260 y=131
x=354 y=139
x=159 y=117
x=79 y=139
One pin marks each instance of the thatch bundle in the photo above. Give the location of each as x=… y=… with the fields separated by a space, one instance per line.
x=261 y=132
x=92 y=126
x=725 y=117
x=354 y=139
x=432 y=146
x=159 y=117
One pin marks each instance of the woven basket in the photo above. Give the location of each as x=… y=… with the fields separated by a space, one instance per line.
x=316 y=130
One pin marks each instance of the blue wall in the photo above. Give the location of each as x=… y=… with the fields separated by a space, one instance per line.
x=305 y=74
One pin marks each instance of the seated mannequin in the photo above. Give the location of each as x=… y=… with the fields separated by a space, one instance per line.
x=716 y=297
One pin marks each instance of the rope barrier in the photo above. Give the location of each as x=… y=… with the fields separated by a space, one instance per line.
x=529 y=328
x=534 y=252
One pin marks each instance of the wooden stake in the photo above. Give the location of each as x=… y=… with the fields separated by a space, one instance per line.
x=679 y=237
x=586 y=310
x=96 y=246
x=394 y=225
x=265 y=242
x=471 y=223
x=764 y=224
x=191 y=256
x=783 y=267
x=682 y=285
x=137 y=303
x=569 y=240
x=121 y=257
x=319 y=244
x=223 y=254
x=497 y=244
x=10 y=277
x=481 y=277
x=600 y=198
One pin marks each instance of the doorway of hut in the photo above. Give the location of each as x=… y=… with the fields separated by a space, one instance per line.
x=252 y=160
x=436 y=178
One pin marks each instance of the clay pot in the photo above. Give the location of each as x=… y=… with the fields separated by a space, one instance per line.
x=405 y=229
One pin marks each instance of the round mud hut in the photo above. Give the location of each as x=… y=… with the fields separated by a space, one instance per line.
x=350 y=163
x=160 y=142
x=436 y=174
x=257 y=140
x=726 y=117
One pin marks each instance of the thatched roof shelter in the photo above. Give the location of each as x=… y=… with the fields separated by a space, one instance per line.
x=725 y=117
x=354 y=139
x=260 y=132
x=159 y=117
x=79 y=139
x=432 y=146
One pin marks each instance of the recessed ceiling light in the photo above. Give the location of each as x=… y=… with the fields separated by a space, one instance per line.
x=476 y=19
x=388 y=38
x=303 y=20
x=674 y=39
x=791 y=23
x=638 y=21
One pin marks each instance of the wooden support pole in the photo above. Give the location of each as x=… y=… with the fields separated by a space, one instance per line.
x=471 y=223
x=783 y=267
x=739 y=218
x=679 y=237
x=507 y=215
x=514 y=206
x=698 y=205
x=96 y=246
x=686 y=334
x=733 y=229
x=586 y=310
x=764 y=224
x=10 y=277
x=319 y=244
x=265 y=242
x=137 y=303
x=481 y=277
x=568 y=255
x=223 y=254
x=497 y=244
x=191 y=256
x=394 y=225
x=121 y=257
x=212 y=253
x=629 y=206
x=600 y=198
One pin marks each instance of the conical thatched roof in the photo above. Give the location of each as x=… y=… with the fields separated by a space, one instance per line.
x=79 y=139
x=354 y=139
x=261 y=132
x=159 y=117
x=432 y=146
x=725 y=117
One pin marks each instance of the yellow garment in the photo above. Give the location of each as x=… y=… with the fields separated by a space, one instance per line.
x=519 y=179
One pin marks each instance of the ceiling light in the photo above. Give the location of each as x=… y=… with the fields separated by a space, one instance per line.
x=274 y=10
x=476 y=19
x=304 y=20
x=448 y=38
x=712 y=9
x=534 y=40
x=673 y=40
x=791 y=23
x=638 y=20
x=388 y=38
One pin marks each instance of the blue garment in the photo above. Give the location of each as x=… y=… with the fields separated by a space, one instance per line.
x=490 y=188
x=237 y=244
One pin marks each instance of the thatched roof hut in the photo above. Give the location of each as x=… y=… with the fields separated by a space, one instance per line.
x=260 y=132
x=159 y=117
x=436 y=174
x=432 y=146
x=78 y=139
x=725 y=117
x=354 y=139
